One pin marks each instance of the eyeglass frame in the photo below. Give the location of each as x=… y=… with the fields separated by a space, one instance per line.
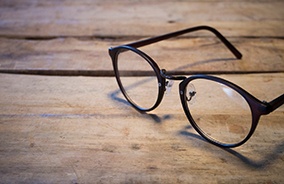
x=257 y=107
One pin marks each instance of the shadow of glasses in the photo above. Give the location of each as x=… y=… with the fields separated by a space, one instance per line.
x=261 y=164
x=115 y=95
x=267 y=160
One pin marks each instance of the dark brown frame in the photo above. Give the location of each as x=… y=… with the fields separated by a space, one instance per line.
x=258 y=108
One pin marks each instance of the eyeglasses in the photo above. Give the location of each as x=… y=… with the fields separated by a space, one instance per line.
x=226 y=123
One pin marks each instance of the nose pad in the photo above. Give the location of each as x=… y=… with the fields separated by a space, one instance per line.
x=169 y=85
x=190 y=94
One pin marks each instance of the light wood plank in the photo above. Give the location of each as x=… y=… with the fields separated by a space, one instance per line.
x=81 y=130
x=138 y=18
x=72 y=130
x=185 y=54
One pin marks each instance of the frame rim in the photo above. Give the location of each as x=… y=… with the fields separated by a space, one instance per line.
x=114 y=52
x=254 y=104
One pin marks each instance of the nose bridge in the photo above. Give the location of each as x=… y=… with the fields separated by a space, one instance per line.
x=168 y=76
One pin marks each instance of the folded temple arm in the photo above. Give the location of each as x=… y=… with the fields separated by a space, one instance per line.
x=149 y=41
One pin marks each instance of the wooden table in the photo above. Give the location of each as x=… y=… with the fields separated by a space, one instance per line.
x=60 y=121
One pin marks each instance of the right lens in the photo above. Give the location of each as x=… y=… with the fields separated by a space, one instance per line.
x=138 y=79
x=219 y=111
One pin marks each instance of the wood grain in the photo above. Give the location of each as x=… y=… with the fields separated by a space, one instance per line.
x=143 y=18
x=62 y=56
x=70 y=128
x=76 y=130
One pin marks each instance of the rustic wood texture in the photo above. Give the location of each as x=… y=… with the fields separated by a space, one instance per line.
x=72 y=130
x=126 y=17
x=187 y=55
x=74 y=36
x=79 y=129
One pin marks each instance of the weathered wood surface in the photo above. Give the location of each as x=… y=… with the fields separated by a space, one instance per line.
x=188 y=55
x=126 y=17
x=72 y=130
x=56 y=129
x=72 y=37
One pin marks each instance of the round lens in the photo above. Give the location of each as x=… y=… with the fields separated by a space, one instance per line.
x=220 y=112
x=138 y=79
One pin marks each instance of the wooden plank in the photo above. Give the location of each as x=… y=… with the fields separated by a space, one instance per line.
x=72 y=130
x=138 y=18
x=90 y=57
x=81 y=130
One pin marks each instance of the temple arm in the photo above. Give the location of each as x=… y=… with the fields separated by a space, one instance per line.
x=277 y=102
x=149 y=41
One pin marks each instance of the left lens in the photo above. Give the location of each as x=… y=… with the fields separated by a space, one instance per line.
x=218 y=111
x=138 y=79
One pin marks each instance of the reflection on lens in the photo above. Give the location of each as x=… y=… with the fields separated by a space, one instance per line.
x=138 y=79
x=219 y=111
